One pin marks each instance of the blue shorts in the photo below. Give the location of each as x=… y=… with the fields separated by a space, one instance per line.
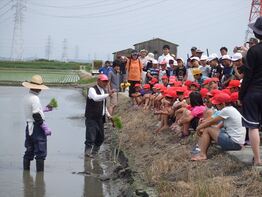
x=225 y=141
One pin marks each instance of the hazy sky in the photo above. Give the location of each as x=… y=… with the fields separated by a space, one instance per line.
x=99 y=27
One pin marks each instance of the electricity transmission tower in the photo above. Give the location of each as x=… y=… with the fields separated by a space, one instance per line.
x=17 y=40
x=255 y=12
x=64 y=53
x=48 y=50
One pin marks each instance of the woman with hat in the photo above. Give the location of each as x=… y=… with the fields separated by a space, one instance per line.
x=251 y=91
x=36 y=127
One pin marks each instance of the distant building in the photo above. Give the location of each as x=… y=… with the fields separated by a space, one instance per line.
x=125 y=52
x=155 y=46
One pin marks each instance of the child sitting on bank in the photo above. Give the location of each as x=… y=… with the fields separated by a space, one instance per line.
x=192 y=114
x=146 y=93
x=166 y=110
x=137 y=96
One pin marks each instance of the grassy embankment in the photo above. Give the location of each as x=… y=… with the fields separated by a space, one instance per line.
x=163 y=161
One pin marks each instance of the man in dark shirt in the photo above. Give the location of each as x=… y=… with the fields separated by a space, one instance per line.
x=251 y=92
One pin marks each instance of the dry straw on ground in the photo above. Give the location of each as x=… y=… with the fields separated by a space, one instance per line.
x=163 y=161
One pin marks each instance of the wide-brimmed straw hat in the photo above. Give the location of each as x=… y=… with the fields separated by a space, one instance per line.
x=35 y=83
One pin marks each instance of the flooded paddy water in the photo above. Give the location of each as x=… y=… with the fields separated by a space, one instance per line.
x=65 y=148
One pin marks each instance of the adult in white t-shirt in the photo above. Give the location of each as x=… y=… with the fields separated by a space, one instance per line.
x=229 y=133
x=165 y=57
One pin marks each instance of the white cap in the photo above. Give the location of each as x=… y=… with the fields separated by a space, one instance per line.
x=212 y=57
x=150 y=56
x=175 y=63
x=226 y=57
x=236 y=56
x=154 y=61
x=203 y=57
x=194 y=58
x=180 y=58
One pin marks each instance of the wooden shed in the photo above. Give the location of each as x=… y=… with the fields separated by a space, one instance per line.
x=155 y=46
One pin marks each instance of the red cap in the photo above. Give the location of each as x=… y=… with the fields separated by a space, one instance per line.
x=187 y=93
x=215 y=79
x=180 y=89
x=203 y=92
x=157 y=86
x=234 y=96
x=220 y=98
x=170 y=93
x=214 y=92
x=227 y=91
x=164 y=77
x=207 y=81
x=233 y=84
x=102 y=77
x=172 y=77
x=172 y=81
x=137 y=85
x=153 y=80
x=178 y=83
x=195 y=84
x=146 y=86
x=188 y=83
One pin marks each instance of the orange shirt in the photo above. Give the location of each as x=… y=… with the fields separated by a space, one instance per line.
x=134 y=69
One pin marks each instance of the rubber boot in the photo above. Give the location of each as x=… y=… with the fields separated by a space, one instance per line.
x=39 y=165
x=26 y=164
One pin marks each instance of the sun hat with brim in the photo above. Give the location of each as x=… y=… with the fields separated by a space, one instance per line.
x=220 y=98
x=35 y=83
x=257 y=26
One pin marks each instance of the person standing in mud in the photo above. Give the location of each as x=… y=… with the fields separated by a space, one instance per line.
x=95 y=114
x=36 y=127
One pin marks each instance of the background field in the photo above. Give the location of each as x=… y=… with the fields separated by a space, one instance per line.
x=44 y=64
x=51 y=71
x=49 y=76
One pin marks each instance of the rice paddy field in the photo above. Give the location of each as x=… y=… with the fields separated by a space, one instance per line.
x=49 y=75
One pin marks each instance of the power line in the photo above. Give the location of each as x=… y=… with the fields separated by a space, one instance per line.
x=6 y=11
x=5 y=5
x=111 y=12
x=83 y=6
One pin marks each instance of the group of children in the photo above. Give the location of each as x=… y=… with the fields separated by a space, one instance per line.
x=189 y=106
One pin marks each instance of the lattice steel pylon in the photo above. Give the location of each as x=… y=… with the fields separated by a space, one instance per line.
x=64 y=52
x=255 y=12
x=17 y=40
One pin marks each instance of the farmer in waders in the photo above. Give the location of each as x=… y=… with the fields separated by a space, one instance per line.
x=95 y=114
x=36 y=128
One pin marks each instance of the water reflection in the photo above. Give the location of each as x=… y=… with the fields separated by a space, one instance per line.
x=92 y=185
x=33 y=187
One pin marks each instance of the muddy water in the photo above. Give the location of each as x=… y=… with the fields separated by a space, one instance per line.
x=65 y=148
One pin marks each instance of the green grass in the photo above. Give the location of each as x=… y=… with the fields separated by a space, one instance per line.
x=49 y=76
x=43 y=64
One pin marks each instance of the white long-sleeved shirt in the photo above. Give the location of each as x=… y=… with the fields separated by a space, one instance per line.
x=96 y=97
x=32 y=106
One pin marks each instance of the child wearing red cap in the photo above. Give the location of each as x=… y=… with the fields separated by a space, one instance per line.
x=166 y=110
x=146 y=92
x=229 y=134
x=137 y=96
